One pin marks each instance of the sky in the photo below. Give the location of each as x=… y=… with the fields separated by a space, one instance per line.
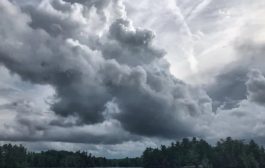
x=113 y=77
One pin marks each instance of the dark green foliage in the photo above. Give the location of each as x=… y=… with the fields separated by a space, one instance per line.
x=12 y=156
x=76 y=159
x=196 y=153
x=227 y=153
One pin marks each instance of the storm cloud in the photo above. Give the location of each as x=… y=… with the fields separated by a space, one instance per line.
x=229 y=86
x=107 y=72
x=124 y=68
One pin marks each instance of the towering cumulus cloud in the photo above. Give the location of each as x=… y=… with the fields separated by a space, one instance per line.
x=114 y=73
x=81 y=71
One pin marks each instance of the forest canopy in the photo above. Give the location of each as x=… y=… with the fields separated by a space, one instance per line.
x=197 y=153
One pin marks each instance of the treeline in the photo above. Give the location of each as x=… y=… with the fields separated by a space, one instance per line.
x=13 y=156
x=54 y=158
x=196 y=153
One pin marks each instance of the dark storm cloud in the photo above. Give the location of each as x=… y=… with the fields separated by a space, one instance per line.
x=230 y=86
x=71 y=135
x=44 y=60
x=246 y=120
x=31 y=124
x=131 y=73
x=151 y=112
x=50 y=23
x=131 y=47
x=256 y=87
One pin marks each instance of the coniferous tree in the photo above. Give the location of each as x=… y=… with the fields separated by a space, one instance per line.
x=226 y=153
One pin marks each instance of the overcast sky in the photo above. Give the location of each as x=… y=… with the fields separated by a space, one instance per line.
x=112 y=77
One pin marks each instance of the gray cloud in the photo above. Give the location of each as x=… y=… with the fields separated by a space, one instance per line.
x=256 y=87
x=99 y=4
x=54 y=25
x=125 y=68
x=229 y=87
x=111 y=84
x=45 y=60
x=130 y=46
x=141 y=98
x=246 y=120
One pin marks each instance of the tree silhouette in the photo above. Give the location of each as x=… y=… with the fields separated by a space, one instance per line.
x=193 y=152
x=196 y=153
